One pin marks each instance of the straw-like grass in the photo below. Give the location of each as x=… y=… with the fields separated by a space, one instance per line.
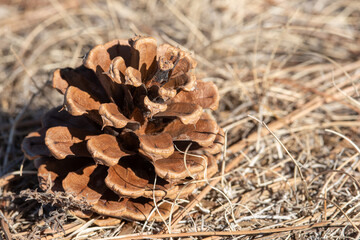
x=288 y=74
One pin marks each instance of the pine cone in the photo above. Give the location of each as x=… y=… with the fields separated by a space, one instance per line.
x=132 y=116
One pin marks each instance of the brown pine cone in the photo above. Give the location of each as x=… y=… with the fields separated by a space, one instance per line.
x=132 y=116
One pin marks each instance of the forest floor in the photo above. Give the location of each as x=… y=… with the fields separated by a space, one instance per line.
x=288 y=73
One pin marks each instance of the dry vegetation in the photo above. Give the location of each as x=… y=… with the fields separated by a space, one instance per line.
x=287 y=71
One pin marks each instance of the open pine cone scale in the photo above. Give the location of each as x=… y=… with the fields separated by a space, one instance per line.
x=132 y=130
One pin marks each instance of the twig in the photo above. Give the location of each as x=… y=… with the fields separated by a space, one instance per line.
x=5 y=226
x=237 y=233
x=13 y=130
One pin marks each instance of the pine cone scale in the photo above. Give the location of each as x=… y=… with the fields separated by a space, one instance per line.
x=64 y=141
x=188 y=113
x=202 y=132
x=133 y=77
x=205 y=95
x=33 y=145
x=119 y=47
x=84 y=184
x=174 y=167
x=117 y=70
x=134 y=177
x=112 y=117
x=143 y=56
x=78 y=102
x=156 y=146
x=105 y=149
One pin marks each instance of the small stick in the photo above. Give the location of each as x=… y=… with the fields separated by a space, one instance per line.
x=238 y=233
x=5 y=227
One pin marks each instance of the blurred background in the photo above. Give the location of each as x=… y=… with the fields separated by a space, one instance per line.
x=292 y=64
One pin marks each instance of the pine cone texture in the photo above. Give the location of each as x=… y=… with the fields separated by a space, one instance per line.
x=132 y=130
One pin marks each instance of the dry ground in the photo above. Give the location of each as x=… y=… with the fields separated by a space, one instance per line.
x=287 y=66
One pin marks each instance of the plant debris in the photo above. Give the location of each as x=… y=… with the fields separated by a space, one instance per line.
x=288 y=78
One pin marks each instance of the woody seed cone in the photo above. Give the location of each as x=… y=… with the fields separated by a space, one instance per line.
x=132 y=130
